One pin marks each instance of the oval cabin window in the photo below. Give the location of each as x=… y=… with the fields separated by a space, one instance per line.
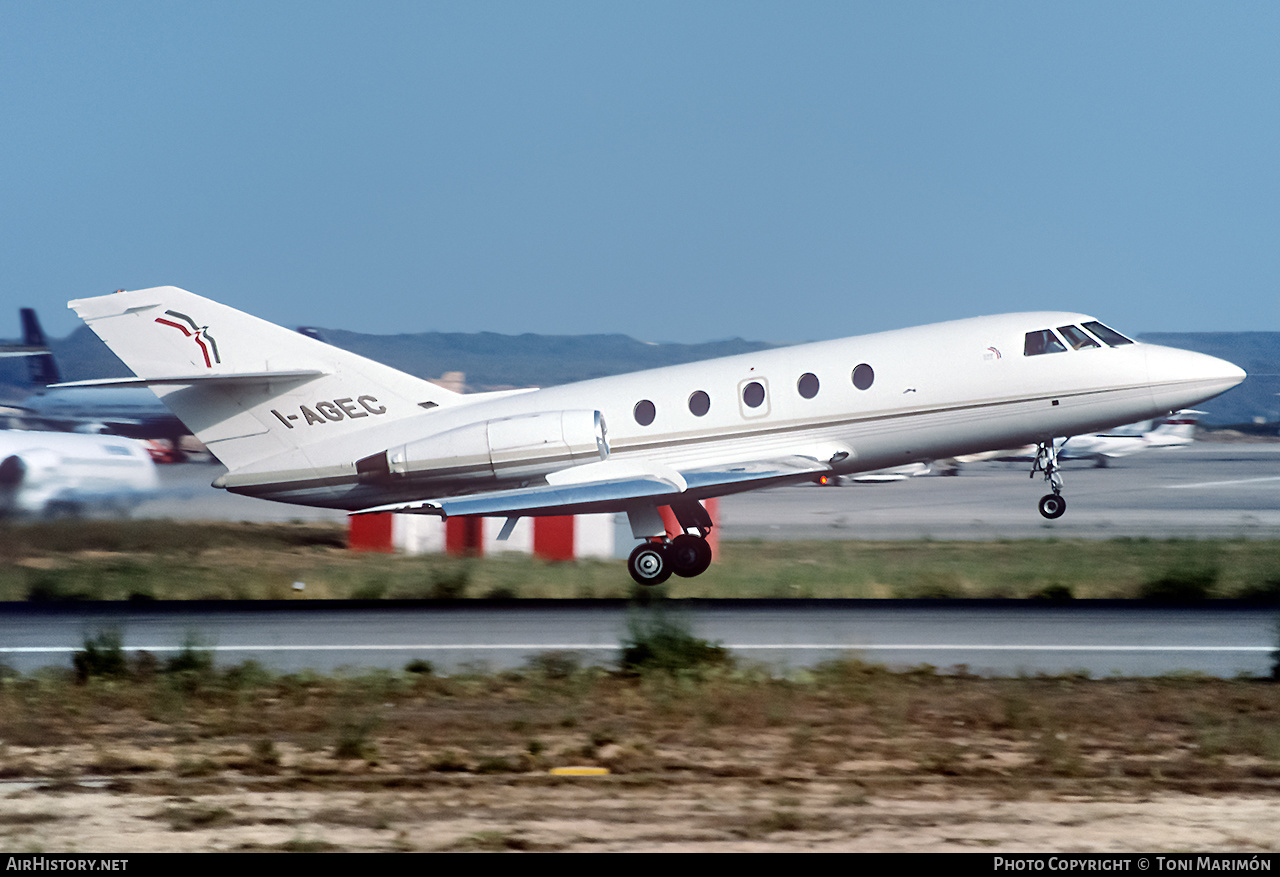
x=645 y=412
x=807 y=385
x=699 y=403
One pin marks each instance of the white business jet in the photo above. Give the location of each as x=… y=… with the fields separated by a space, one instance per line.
x=61 y=474
x=1177 y=431
x=298 y=421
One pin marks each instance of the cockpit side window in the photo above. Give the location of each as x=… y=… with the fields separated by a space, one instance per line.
x=1110 y=336
x=1077 y=339
x=1042 y=341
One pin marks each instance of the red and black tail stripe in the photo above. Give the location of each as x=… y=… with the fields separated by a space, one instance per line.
x=199 y=333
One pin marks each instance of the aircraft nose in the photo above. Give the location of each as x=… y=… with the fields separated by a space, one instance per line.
x=1181 y=378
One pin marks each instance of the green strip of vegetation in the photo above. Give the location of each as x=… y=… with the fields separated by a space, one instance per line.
x=166 y=560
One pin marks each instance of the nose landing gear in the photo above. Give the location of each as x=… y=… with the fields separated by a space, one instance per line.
x=1052 y=505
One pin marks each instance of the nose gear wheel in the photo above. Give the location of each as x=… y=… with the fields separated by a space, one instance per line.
x=1052 y=505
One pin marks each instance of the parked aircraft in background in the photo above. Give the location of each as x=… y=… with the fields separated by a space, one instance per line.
x=41 y=367
x=123 y=412
x=879 y=476
x=133 y=411
x=296 y=420
x=55 y=474
x=1175 y=431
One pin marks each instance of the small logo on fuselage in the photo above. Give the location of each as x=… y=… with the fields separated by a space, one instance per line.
x=203 y=339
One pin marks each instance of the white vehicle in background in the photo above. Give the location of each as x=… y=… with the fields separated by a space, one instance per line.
x=64 y=474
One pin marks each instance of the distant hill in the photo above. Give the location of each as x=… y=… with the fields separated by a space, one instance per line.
x=490 y=361
x=493 y=361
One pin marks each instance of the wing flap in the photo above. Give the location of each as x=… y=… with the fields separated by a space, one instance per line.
x=779 y=469
x=542 y=499
x=575 y=491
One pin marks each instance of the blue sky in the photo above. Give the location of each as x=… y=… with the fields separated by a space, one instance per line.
x=673 y=171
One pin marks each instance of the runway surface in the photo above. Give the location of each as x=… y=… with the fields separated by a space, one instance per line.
x=1206 y=490
x=1218 y=490
x=996 y=639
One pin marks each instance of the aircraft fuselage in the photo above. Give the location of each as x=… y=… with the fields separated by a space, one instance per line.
x=862 y=403
x=298 y=421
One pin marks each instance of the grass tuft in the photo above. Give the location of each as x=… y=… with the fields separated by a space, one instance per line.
x=102 y=655
x=659 y=642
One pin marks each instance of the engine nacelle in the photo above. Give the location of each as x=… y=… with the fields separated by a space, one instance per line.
x=525 y=445
x=33 y=464
x=21 y=475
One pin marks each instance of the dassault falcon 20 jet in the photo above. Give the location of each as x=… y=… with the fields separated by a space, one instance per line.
x=298 y=421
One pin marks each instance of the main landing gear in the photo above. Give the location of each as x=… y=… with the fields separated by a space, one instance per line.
x=687 y=555
x=1052 y=505
x=652 y=563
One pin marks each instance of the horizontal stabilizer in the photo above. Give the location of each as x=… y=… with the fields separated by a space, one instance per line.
x=250 y=390
x=228 y=378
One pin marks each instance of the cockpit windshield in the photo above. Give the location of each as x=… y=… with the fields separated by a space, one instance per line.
x=1076 y=338
x=1048 y=341
x=1110 y=336
x=1042 y=341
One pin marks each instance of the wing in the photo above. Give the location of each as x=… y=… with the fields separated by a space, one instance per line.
x=612 y=485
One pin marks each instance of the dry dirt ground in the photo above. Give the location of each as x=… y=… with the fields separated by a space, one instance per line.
x=853 y=758
x=594 y=814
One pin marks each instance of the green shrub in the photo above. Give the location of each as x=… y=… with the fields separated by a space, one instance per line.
x=657 y=642
x=554 y=664
x=420 y=667
x=355 y=739
x=1275 y=654
x=1189 y=584
x=193 y=658
x=102 y=655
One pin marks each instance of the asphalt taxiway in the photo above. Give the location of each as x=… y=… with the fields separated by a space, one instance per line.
x=990 y=638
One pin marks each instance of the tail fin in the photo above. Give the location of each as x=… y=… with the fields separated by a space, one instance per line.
x=248 y=389
x=41 y=366
x=32 y=334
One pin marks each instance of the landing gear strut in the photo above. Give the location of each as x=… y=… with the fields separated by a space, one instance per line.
x=1052 y=505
